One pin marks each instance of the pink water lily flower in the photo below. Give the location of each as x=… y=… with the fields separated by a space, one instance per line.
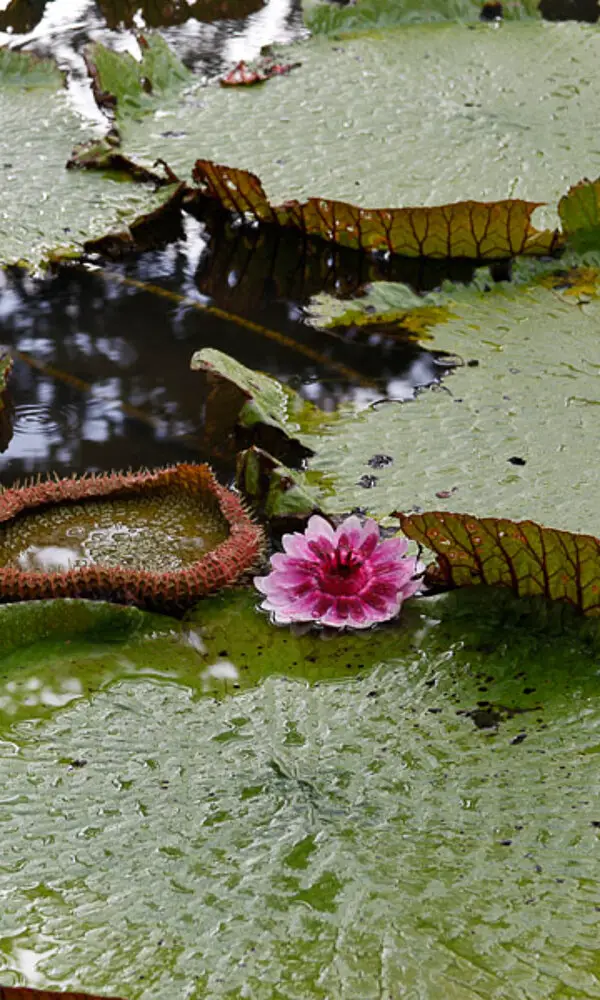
x=344 y=577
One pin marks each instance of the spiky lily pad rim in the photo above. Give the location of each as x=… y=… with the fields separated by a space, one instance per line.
x=170 y=590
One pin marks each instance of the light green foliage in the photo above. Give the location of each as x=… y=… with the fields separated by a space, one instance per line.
x=532 y=395
x=364 y=15
x=422 y=115
x=44 y=207
x=351 y=839
x=137 y=84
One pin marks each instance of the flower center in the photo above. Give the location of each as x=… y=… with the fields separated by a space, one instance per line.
x=344 y=572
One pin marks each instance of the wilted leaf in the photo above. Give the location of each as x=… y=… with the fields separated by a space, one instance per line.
x=277 y=492
x=242 y=400
x=244 y=75
x=528 y=558
x=465 y=229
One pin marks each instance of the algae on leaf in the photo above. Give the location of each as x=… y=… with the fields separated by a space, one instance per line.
x=342 y=836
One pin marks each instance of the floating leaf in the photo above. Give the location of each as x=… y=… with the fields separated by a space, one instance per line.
x=505 y=432
x=384 y=303
x=465 y=229
x=500 y=127
x=242 y=399
x=530 y=559
x=45 y=210
x=579 y=211
x=283 y=815
x=150 y=230
x=160 y=540
x=368 y=15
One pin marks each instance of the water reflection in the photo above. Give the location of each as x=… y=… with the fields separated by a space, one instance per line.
x=208 y=35
x=101 y=377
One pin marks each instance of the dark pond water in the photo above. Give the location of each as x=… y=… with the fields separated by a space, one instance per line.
x=101 y=377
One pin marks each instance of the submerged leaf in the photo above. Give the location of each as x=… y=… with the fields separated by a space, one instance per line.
x=466 y=229
x=528 y=558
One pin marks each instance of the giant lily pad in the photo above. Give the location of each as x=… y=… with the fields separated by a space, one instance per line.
x=44 y=208
x=411 y=824
x=506 y=434
x=420 y=116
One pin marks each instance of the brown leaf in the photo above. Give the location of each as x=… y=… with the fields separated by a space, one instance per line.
x=246 y=76
x=27 y=993
x=528 y=558
x=478 y=230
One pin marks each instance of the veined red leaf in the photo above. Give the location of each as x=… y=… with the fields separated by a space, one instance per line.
x=474 y=229
x=528 y=558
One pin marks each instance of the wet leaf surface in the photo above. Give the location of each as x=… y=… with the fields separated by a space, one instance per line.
x=368 y=15
x=528 y=558
x=479 y=120
x=526 y=390
x=46 y=210
x=338 y=818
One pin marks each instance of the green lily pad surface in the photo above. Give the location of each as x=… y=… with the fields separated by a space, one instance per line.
x=420 y=115
x=332 y=18
x=420 y=822
x=506 y=433
x=45 y=208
